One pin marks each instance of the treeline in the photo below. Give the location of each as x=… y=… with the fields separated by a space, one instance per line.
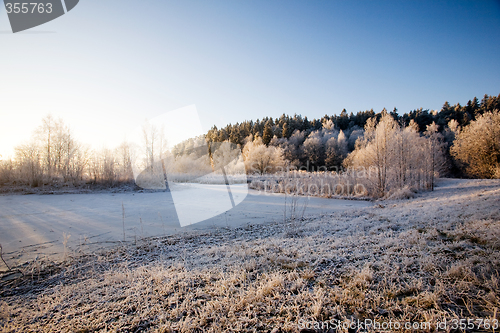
x=323 y=144
x=53 y=157
x=285 y=125
x=407 y=149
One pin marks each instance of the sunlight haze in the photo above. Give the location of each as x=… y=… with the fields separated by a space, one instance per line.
x=108 y=65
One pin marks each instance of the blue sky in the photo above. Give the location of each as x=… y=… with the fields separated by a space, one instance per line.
x=107 y=65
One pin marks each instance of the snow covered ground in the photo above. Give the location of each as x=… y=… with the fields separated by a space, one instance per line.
x=422 y=261
x=53 y=226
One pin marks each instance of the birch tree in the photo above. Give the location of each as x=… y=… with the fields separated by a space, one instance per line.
x=477 y=146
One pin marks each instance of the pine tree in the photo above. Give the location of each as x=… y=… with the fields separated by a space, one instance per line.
x=268 y=133
x=286 y=130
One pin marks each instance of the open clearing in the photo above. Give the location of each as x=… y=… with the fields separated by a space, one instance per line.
x=421 y=260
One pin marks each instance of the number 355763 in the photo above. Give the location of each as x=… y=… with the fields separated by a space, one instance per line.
x=27 y=7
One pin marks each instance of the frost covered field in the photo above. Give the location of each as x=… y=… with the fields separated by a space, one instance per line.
x=419 y=260
x=56 y=227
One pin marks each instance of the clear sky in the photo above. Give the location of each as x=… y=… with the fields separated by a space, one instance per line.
x=107 y=65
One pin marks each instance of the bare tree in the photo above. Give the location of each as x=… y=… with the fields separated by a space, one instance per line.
x=46 y=134
x=62 y=157
x=108 y=166
x=30 y=163
x=154 y=143
x=7 y=171
x=94 y=167
x=123 y=157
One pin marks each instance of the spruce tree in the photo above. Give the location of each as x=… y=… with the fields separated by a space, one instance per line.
x=268 y=134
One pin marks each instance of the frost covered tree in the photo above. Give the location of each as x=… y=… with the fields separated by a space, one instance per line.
x=72 y=157
x=342 y=144
x=336 y=150
x=108 y=174
x=404 y=153
x=46 y=133
x=29 y=159
x=396 y=157
x=52 y=154
x=123 y=155
x=477 y=146
x=228 y=159
x=332 y=156
x=378 y=149
x=314 y=149
x=328 y=124
x=260 y=158
x=148 y=152
x=291 y=148
x=7 y=170
x=353 y=137
x=434 y=155
x=54 y=137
